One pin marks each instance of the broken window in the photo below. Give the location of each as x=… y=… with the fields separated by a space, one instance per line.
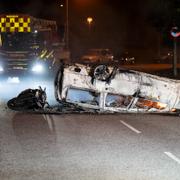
x=83 y=96
x=145 y=103
x=113 y=100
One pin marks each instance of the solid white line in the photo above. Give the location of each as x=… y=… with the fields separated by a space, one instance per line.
x=173 y=157
x=130 y=127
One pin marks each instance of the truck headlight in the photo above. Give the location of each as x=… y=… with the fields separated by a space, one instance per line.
x=38 y=68
x=1 y=69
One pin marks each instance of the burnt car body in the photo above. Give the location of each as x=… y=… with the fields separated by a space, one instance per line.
x=113 y=89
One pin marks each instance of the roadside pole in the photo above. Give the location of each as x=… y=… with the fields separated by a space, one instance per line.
x=175 y=34
x=175 y=58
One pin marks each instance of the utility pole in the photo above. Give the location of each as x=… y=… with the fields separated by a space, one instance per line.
x=175 y=34
x=175 y=58
x=67 y=24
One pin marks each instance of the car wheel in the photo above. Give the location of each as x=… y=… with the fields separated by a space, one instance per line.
x=101 y=73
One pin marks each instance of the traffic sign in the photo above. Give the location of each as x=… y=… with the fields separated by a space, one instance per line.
x=174 y=32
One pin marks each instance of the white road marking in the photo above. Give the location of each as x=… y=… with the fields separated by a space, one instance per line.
x=172 y=156
x=130 y=127
x=49 y=121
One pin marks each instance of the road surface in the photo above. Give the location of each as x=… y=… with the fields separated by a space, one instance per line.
x=85 y=147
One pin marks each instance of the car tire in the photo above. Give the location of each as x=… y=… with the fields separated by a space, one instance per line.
x=101 y=73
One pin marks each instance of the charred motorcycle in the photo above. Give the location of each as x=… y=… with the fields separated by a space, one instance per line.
x=29 y=99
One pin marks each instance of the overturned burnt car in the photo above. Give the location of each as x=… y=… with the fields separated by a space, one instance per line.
x=113 y=89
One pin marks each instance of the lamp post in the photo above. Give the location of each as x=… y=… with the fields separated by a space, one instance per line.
x=67 y=24
x=89 y=21
x=66 y=19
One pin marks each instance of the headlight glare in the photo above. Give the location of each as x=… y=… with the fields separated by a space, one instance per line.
x=38 y=68
x=1 y=69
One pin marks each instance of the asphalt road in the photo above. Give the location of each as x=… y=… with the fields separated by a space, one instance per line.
x=85 y=147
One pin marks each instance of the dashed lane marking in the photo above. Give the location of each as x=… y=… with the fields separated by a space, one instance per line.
x=172 y=156
x=130 y=127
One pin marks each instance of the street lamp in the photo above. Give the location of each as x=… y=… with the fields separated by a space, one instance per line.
x=67 y=24
x=89 y=21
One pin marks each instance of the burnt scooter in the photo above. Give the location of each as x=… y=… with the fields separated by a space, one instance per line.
x=29 y=99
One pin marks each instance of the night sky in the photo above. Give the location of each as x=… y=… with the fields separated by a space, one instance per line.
x=119 y=25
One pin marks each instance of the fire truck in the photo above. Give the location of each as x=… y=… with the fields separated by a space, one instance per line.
x=29 y=46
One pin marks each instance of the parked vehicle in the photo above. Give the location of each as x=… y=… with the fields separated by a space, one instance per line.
x=126 y=58
x=97 y=56
x=165 y=58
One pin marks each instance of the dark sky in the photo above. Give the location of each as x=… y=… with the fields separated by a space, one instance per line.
x=118 y=25
x=51 y=8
